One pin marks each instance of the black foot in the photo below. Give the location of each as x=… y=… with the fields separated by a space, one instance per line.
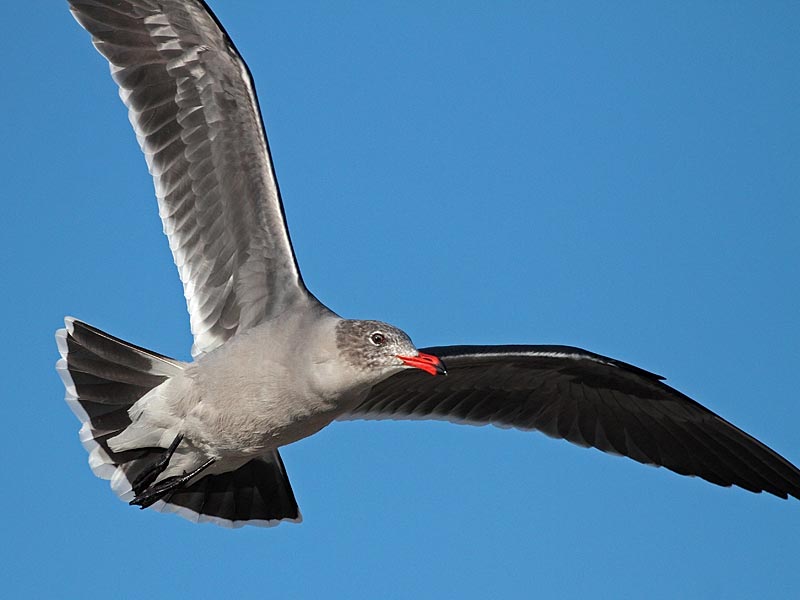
x=156 y=492
x=146 y=478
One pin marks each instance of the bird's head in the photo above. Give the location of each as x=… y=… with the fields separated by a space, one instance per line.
x=377 y=347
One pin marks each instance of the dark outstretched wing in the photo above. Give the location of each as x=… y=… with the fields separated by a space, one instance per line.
x=193 y=106
x=589 y=400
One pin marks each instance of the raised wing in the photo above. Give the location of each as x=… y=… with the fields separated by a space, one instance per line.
x=192 y=103
x=589 y=400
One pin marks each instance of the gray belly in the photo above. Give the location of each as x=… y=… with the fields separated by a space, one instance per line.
x=251 y=425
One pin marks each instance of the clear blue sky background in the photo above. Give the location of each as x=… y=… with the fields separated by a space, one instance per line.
x=624 y=178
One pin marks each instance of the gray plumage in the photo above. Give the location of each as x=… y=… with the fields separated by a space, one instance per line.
x=192 y=104
x=272 y=365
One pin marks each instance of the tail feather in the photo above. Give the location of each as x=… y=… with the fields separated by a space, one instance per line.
x=258 y=493
x=104 y=377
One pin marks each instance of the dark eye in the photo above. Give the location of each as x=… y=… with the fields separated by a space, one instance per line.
x=377 y=338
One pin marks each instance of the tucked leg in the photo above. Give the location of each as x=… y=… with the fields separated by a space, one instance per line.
x=156 y=492
x=146 y=478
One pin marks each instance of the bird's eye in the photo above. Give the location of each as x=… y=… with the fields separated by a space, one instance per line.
x=377 y=338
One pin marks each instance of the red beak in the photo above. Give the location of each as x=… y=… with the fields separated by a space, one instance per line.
x=427 y=362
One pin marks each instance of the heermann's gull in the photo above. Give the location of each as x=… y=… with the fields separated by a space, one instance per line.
x=272 y=365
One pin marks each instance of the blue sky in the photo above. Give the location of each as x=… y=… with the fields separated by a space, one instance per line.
x=622 y=178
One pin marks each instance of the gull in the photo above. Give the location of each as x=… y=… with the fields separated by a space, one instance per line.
x=271 y=364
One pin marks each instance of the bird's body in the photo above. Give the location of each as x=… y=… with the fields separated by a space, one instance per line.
x=245 y=398
x=288 y=395
x=272 y=365
x=248 y=397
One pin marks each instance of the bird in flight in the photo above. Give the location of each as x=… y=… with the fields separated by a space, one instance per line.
x=273 y=365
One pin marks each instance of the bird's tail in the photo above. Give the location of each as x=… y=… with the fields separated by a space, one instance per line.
x=104 y=377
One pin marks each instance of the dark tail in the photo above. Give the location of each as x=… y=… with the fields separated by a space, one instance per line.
x=105 y=377
x=259 y=493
